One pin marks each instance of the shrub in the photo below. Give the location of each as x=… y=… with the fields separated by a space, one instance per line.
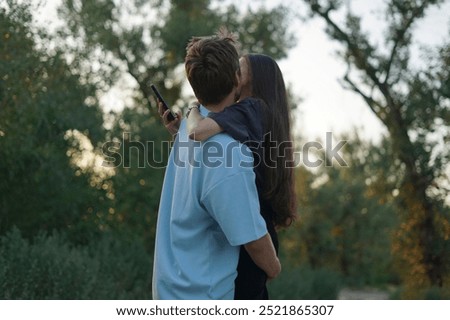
x=304 y=283
x=49 y=267
x=429 y=293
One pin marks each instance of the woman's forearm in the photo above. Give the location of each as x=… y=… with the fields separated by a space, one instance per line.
x=200 y=128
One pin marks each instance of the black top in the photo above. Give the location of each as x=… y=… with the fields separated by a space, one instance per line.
x=244 y=121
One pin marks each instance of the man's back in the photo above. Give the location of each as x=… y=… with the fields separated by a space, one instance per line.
x=209 y=207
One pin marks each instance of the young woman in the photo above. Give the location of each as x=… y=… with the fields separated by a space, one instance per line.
x=260 y=119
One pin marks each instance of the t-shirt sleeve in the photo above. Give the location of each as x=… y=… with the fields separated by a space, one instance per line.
x=234 y=204
x=242 y=121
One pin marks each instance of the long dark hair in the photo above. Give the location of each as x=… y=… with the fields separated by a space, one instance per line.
x=268 y=86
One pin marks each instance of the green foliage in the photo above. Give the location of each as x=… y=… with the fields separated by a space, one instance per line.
x=41 y=100
x=263 y=31
x=430 y=293
x=260 y=30
x=142 y=149
x=304 y=283
x=150 y=49
x=196 y=19
x=48 y=267
x=346 y=218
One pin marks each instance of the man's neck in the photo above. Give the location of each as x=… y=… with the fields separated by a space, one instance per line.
x=228 y=100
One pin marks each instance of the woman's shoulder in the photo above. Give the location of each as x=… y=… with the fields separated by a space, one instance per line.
x=249 y=105
x=251 y=101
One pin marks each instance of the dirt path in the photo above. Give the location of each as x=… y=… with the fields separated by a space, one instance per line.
x=363 y=294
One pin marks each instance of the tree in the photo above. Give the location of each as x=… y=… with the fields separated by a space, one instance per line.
x=147 y=40
x=41 y=103
x=413 y=104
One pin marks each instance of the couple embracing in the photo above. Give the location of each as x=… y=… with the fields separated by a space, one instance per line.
x=220 y=207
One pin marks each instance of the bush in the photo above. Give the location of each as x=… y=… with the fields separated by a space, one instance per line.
x=304 y=283
x=430 y=293
x=49 y=267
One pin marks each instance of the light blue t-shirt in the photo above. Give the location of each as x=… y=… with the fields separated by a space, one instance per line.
x=209 y=207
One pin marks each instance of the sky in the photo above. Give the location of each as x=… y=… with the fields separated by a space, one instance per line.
x=312 y=69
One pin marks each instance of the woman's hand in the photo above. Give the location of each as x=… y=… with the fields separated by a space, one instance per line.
x=193 y=119
x=200 y=128
x=171 y=126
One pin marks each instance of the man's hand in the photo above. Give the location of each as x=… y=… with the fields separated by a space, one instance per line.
x=264 y=255
x=171 y=126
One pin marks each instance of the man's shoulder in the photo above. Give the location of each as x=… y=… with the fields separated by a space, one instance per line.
x=221 y=137
x=225 y=141
x=224 y=151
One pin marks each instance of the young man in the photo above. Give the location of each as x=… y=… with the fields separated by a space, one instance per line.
x=209 y=203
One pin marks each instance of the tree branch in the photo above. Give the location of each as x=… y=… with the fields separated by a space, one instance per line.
x=352 y=47
x=371 y=102
x=143 y=85
x=358 y=54
x=400 y=35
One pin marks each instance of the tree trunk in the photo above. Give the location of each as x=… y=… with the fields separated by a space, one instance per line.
x=417 y=237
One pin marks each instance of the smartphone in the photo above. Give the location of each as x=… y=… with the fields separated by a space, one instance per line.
x=171 y=115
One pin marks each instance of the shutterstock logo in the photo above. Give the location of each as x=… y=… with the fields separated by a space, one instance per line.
x=330 y=153
x=211 y=154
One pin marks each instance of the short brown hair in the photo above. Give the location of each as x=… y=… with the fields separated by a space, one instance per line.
x=211 y=64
